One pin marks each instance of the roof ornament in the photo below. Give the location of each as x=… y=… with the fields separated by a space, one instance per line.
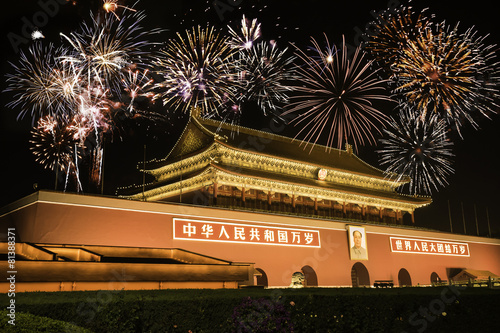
x=195 y=112
x=220 y=137
x=348 y=148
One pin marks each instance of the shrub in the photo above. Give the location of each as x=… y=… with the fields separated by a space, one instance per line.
x=275 y=310
x=25 y=322
x=261 y=315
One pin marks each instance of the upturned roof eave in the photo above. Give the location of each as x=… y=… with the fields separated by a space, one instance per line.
x=410 y=202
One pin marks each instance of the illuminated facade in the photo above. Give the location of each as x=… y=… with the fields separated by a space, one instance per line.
x=78 y=242
x=228 y=209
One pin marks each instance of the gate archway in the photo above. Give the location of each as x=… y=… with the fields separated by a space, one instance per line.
x=262 y=279
x=435 y=278
x=359 y=275
x=310 y=275
x=404 y=278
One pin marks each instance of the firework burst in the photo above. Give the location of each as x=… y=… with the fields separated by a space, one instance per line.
x=108 y=56
x=76 y=90
x=107 y=49
x=336 y=96
x=265 y=72
x=419 y=150
x=435 y=69
x=197 y=71
x=262 y=73
x=41 y=85
x=53 y=143
x=392 y=32
x=443 y=72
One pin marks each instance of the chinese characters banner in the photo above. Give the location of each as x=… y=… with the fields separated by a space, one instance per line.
x=426 y=246
x=244 y=233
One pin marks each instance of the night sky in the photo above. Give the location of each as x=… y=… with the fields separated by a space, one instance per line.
x=475 y=184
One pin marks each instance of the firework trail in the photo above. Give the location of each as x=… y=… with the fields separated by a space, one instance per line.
x=81 y=127
x=94 y=111
x=419 y=150
x=335 y=96
x=197 y=71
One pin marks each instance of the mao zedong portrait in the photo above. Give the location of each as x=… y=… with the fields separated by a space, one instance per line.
x=357 y=251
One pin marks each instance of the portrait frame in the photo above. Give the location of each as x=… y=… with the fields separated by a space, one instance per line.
x=356 y=255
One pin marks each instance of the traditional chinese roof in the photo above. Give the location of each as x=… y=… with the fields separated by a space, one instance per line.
x=209 y=152
x=201 y=133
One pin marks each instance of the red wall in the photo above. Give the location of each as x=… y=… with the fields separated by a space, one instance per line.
x=118 y=222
